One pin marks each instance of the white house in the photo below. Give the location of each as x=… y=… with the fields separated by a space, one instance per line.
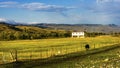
x=78 y=34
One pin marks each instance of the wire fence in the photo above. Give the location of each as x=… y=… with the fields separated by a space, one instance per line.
x=21 y=55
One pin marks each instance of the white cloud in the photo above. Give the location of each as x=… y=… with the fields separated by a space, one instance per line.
x=2 y=20
x=103 y=11
x=107 y=6
x=33 y=22
x=9 y=4
x=107 y=1
x=7 y=21
x=44 y=7
x=103 y=1
x=35 y=6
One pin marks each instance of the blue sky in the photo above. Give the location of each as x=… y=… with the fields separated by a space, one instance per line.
x=61 y=11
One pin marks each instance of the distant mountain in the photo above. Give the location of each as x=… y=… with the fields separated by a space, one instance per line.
x=3 y=20
x=110 y=28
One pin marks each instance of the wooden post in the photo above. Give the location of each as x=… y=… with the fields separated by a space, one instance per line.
x=3 y=58
x=81 y=47
x=30 y=55
x=47 y=53
x=11 y=55
x=16 y=57
x=41 y=54
x=94 y=46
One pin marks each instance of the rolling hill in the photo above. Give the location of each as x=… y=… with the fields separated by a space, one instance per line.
x=8 y=27
x=110 y=28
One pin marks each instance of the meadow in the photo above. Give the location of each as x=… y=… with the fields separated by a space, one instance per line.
x=44 y=48
x=105 y=59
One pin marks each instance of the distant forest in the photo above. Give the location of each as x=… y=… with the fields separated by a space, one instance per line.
x=22 y=32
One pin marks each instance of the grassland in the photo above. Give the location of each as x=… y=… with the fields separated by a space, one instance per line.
x=44 y=48
x=105 y=59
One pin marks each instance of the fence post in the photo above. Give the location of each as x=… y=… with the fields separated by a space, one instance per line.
x=3 y=58
x=30 y=55
x=94 y=46
x=41 y=54
x=16 y=57
x=65 y=50
x=81 y=47
x=47 y=53
x=11 y=55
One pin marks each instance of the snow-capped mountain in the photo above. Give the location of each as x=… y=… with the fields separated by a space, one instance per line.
x=3 y=20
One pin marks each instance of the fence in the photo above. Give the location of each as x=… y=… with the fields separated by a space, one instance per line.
x=20 y=55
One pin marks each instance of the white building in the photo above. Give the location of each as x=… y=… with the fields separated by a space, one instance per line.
x=78 y=34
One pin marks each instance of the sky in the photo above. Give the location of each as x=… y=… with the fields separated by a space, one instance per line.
x=61 y=11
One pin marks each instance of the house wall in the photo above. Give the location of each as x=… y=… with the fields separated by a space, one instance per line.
x=77 y=34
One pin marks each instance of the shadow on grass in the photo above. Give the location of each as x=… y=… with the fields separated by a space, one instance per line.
x=57 y=59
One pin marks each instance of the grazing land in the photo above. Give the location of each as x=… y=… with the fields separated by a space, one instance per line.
x=45 y=48
x=101 y=59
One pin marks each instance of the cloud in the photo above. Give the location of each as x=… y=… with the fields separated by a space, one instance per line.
x=101 y=11
x=44 y=7
x=107 y=7
x=103 y=6
x=35 y=6
x=2 y=20
x=8 y=4
x=104 y=1
x=7 y=21
x=107 y=1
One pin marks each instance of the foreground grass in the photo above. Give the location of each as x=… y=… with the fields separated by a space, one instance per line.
x=108 y=57
x=44 y=48
x=105 y=57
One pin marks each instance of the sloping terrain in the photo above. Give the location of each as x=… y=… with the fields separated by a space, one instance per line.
x=83 y=27
x=8 y=27
x=15 y=32
x=71 y=27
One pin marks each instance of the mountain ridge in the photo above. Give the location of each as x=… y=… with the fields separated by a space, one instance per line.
x=109 y=28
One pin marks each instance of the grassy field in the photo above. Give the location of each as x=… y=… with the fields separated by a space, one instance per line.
x=44 y=48
x=105 y=59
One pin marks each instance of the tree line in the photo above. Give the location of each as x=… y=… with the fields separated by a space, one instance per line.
x=42 y=34
x=94 y=34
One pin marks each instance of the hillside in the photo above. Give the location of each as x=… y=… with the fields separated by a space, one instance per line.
x=110 y=28
x=19 y=28
x=40 y=31
x=83 y=27
x=8 y=27
x=13 y=32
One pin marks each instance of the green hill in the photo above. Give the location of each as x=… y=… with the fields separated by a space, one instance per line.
x=8 y=27
x=13 y=32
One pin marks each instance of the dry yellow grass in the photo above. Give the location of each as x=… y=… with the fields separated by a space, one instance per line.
x=43 y=48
